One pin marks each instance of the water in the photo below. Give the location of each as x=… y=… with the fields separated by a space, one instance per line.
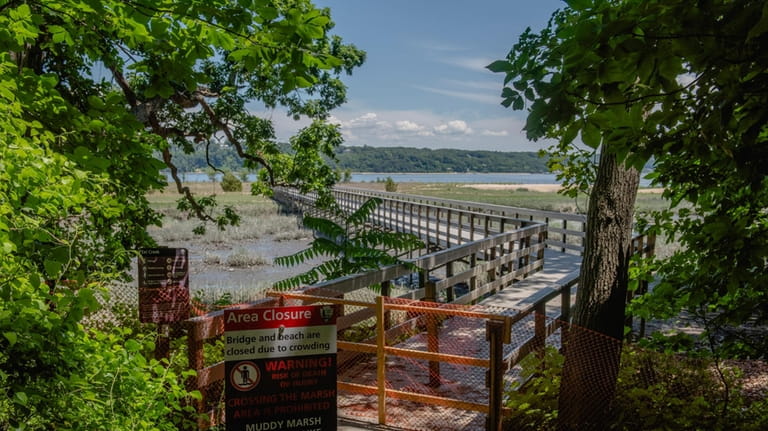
x=497 y=177
x=493 y=177
x=445 y=177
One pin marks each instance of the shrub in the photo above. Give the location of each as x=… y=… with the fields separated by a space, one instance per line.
x=211 y=259
x=241 y=258
x=230 y=183
x=533 y=398
x=390 y=185
x=654 y=391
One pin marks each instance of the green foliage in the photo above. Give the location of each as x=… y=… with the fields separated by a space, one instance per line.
x=351 y=246
x=54 y=372
x=390 y=185
x=92 y=93
x=667 y=391
x=230 y=183
x=681 y=83
x=655 y=391
x=533 y=398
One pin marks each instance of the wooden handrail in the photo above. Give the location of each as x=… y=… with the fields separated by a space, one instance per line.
x=485 y=242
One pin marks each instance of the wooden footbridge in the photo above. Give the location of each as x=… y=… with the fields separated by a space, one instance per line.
x=488 y=272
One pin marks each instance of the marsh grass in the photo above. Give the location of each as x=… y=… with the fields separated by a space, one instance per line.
x=224 y=294
x=520 y=197
x=260 y=217
x=242 y=258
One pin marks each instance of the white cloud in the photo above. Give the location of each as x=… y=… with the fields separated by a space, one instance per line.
x=367 y=120
x=453 y=127
x=487 y=132
x=424 y=129
x=408 y=126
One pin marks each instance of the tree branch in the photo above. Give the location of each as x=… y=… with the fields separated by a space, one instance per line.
x=208 y=159
x=184 y=190
x=234 y=141
x=636 y=99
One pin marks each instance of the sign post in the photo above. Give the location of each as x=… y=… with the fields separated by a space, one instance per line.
x=163 y=285
x=280 y=368
x=163 y=291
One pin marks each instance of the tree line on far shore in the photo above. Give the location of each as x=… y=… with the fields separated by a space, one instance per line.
x=387 y=159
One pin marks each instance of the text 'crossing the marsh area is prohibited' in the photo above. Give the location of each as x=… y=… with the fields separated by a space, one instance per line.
x=280 y=365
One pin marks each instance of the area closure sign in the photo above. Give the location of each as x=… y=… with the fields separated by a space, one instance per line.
x=280 y=368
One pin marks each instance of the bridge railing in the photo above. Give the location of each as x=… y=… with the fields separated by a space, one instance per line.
x=567 y=232
x=462 y=274
x=439 y=226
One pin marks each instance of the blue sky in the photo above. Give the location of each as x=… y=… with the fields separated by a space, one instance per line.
x=424 y=84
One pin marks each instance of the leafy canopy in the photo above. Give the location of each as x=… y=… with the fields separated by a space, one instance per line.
x=684 y=84
x=91 y=93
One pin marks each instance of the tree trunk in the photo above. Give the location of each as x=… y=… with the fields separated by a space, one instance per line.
x=593 y=343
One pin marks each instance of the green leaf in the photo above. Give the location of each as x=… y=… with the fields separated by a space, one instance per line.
x=11 y=337
x=132 y=345
x=500 y=66
x=590 y=135
x=518 y=104
x=20 y=398
x=579 y=5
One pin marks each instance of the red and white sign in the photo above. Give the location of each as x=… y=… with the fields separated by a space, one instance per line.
x=281 y=368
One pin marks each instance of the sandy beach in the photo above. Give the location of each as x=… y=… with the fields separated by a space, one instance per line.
x=537 y=187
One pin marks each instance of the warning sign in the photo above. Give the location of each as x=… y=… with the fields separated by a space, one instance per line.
x=281 y=368
x=244 y=376
x=163 y=285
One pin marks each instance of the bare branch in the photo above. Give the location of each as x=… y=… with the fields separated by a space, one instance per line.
x=230 y=136
x=208 y=159
x=184 y=190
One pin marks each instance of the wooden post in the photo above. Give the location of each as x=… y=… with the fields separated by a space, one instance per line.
x=433 y=342
x=565 y=304
x=565 y=236
x=540 y=328
x=494 y=334
x=473 y=279
x=492 y=271
x=385 y=291
x=460 y=233
x=471 y=227
x=195 y=361
x=449 y=293
x=381 y=365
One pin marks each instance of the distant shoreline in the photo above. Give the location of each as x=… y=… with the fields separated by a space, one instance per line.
x=549 y=188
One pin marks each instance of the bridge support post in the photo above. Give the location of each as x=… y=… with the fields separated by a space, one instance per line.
x=381 y=360
x=494 y=333
x=433 y=341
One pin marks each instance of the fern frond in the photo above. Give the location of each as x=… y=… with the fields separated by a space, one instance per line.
x=307 y=278
x=298 y=258
x=361 y=215
x=324 y=227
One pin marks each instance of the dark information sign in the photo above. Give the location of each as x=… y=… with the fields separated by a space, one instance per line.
x=280 y=366
x=163 y=285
